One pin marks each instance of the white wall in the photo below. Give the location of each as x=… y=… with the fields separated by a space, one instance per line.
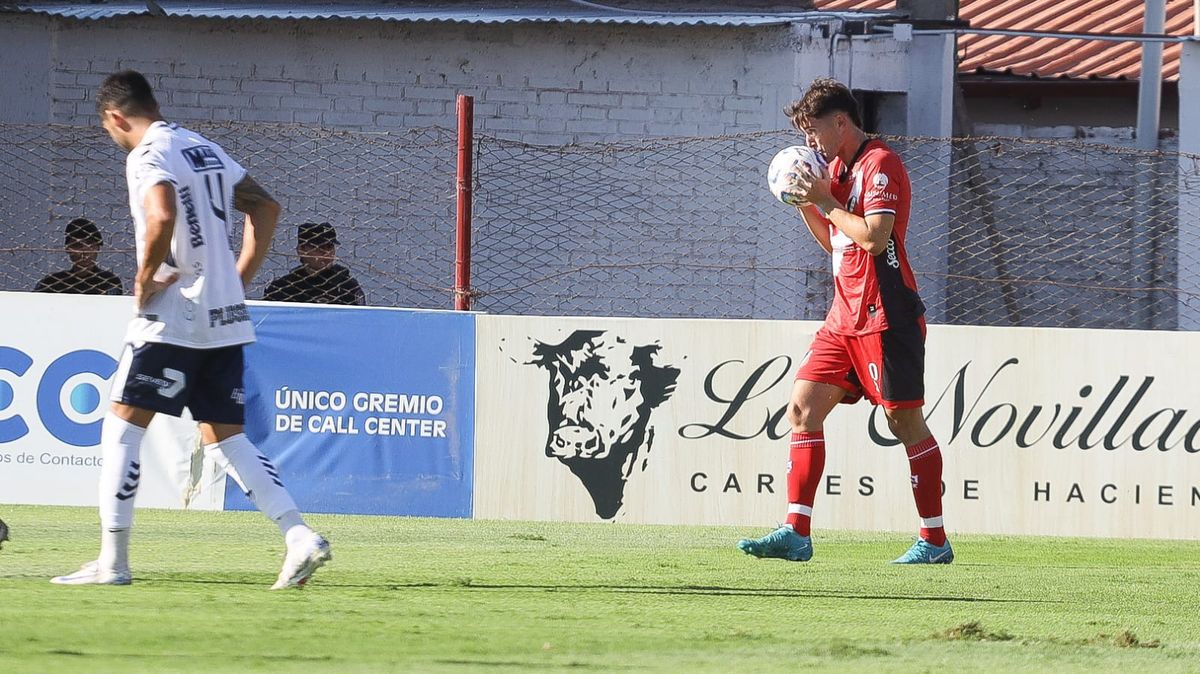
x=26 y=52
x=540 y=83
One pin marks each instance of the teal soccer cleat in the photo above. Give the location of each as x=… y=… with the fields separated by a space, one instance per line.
x=783 y=543
x=924 y=552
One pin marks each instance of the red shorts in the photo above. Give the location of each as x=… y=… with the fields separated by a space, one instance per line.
x=887 y=367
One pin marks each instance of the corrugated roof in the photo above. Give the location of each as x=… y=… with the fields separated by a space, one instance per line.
x=79 y=10
x=471 y=13
x=1054 y=57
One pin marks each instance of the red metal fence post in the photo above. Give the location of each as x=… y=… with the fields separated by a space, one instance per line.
x=462 y=258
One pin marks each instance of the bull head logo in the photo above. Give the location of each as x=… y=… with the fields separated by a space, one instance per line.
x=602 y=391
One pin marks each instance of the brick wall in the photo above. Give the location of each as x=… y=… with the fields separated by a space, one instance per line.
x=541 y=84
x=549 y=84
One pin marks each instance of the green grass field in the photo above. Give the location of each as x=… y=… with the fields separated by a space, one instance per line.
x=451 y=595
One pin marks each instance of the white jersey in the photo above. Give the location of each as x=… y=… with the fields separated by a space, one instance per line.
x=206 y=307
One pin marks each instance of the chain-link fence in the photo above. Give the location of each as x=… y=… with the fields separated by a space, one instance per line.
x=389 y=197
x=1003 y=231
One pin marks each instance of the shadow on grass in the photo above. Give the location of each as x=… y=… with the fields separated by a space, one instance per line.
x=683 y=590
x=532 y=665
x=719 y=591
x=283 y=657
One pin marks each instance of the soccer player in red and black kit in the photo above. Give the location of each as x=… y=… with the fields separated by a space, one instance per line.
x=873 y=341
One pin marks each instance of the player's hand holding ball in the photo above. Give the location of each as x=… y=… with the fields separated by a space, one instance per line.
x=796 y=192
x=797 y=175
x=813 y=189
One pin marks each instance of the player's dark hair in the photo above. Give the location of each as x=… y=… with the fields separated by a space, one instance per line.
x=127 y=92
x=824 y=95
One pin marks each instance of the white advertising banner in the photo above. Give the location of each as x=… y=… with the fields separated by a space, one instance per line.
x=1043 y=431
x=58 y=354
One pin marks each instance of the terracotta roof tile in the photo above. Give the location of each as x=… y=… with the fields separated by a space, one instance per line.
x=1054 y=57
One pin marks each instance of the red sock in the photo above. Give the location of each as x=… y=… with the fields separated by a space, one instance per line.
x=925 y=465
x=806 y=461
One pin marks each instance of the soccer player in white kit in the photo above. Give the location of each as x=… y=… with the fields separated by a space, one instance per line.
x=184 y=346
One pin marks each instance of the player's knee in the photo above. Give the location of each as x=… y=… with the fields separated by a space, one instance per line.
x=803 y=418
x=908 y=425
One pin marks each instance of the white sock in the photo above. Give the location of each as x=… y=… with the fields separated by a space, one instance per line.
x=114 y=549
x=120 y=450
x=290 y=523
x=296 y=533
x=258 y=478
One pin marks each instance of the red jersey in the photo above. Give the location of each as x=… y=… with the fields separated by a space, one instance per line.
x=872 y=293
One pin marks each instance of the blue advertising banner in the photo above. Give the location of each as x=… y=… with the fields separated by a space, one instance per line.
x=365 y=411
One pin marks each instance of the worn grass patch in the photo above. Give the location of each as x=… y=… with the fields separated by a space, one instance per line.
x=973 y=631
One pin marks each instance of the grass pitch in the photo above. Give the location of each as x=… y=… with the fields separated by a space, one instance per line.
x=451 y=595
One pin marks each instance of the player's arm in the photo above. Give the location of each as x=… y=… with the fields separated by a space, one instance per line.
x=817 y=224
x=159 y=207
x=870 y=233
x=262 y=214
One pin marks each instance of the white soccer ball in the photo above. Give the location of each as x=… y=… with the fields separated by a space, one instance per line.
x=786 y=167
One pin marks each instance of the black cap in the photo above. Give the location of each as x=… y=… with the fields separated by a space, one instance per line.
x=82 y=230
x=316 y=234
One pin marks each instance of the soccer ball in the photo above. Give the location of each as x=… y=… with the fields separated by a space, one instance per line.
x=787 y=164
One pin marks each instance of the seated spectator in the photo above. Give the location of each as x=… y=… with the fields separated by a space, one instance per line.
x=318 y=279
x=84 y=277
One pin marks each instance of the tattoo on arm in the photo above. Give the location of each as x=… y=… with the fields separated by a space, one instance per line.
x=248 y=195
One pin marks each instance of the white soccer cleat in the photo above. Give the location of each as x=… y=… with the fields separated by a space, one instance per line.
x=91 y=574
x=303 y=558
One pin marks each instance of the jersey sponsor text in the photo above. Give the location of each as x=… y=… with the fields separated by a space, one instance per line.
x=234 y=313
x=195 y=236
